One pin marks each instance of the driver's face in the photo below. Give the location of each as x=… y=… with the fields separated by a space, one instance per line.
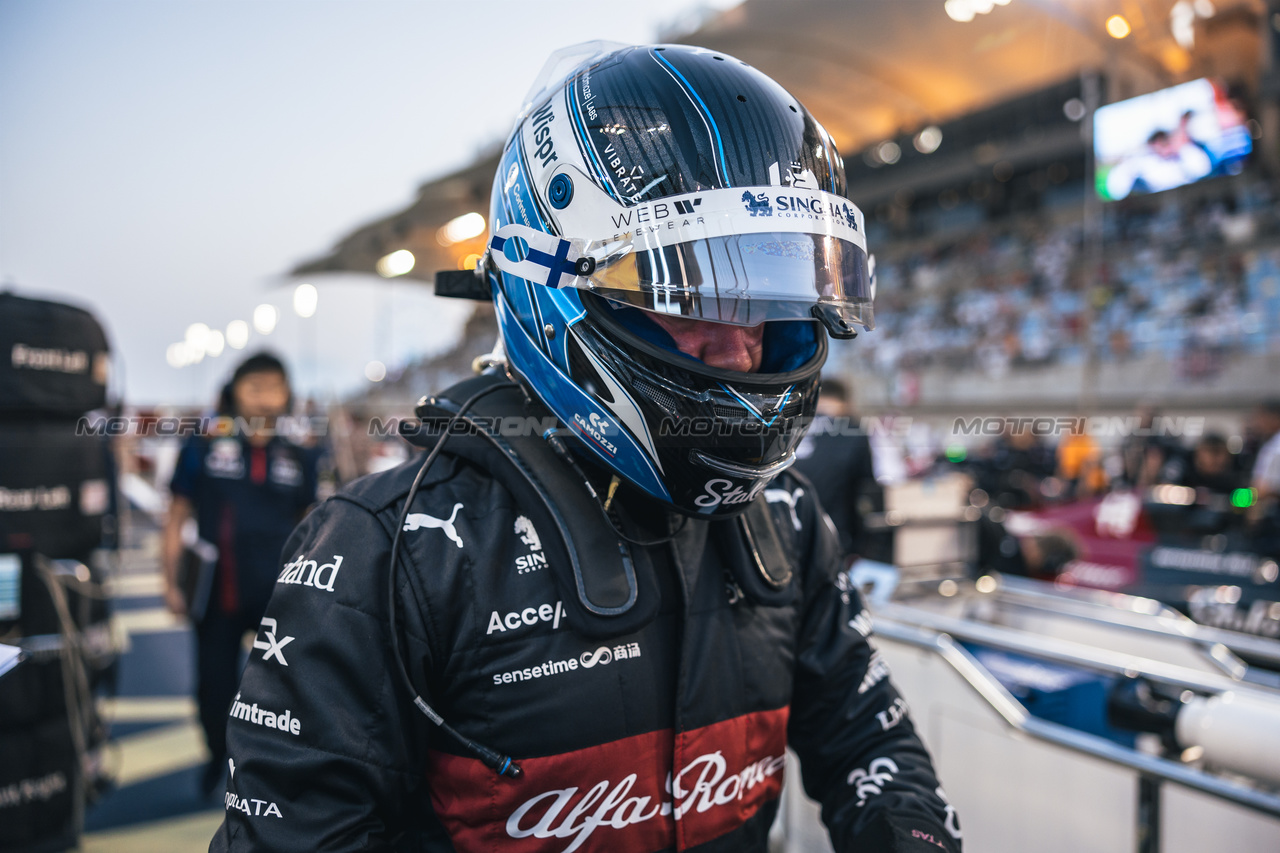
x=721 y=345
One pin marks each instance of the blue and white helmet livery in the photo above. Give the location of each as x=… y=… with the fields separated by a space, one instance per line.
x=681 y=181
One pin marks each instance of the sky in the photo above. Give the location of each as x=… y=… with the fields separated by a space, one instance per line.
x=164 y=163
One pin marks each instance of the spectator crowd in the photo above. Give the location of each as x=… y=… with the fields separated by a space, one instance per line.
x=1191 y=278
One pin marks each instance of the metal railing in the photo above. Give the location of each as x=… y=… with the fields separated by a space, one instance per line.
x=939 y=633
x=1169 y=622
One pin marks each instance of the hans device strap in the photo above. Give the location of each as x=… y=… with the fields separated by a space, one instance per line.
x=611 y=593
x=758 y=560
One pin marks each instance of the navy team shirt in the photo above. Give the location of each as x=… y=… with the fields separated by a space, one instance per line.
x=247 y=500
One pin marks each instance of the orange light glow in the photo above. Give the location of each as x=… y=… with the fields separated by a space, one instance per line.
x=1118 y=27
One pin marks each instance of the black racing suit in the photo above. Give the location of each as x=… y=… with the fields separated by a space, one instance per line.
x=669 y=738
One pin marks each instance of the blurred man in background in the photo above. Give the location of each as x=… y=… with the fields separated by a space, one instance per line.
x=1264 y=514
x=1208 y=467
x=246 y=491
x=1013 y=466
x=1080 y=463
x=1144 y=453
x=1265 y=426
x=836 y=457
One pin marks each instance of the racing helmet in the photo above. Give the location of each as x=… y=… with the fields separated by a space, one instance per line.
x=676 y=180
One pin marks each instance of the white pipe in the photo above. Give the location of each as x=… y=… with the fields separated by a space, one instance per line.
x=1236 y=732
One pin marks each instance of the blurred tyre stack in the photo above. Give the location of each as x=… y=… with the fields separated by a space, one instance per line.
x=57 y=498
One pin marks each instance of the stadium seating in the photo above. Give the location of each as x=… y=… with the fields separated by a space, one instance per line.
x=1193 y=279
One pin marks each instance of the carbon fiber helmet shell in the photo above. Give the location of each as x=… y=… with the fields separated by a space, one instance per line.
x=633 y=126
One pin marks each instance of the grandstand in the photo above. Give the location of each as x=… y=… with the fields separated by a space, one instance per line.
x=1184 y=293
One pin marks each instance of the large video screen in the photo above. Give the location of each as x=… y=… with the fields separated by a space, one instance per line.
x=1168 y=139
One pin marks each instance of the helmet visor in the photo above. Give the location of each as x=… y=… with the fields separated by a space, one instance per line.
x=744 y=279
x=740 y=255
